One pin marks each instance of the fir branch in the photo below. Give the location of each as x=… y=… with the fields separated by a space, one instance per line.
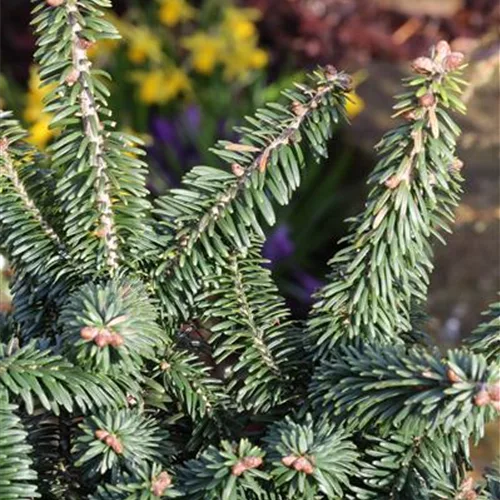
x=492 y=476
x=310 y=458
x=145 y=483
x=387 y=387
x=110 y=327
x=101 y=187
x=49 y=436
x=17 y=476
x=92 y=128
x=189 y=381
x=231 y=473
x=485 y=339
x=214 y=210
x=34 y=374
x=249 y=326
x=409 y=466
x=43 y=268
x=31 y=242
x=385 y=265
x=118 y=441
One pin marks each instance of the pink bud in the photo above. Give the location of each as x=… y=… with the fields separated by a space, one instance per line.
x=237 y=170
x=494 y=391
x=238 y=469
x=161 y=483
x=453 y=61
x=482 y=398
x=442 y=49
x=427 y=100
x=88 y=332
x=330 y=72
x=452 y=376
x=252 y=462
x=101 y=434
x=423 y=66
x=289 y=460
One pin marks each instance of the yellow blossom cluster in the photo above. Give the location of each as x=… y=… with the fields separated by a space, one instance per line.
x=173 y=12
x=161 y=85
x=38 y=121
x=233 y=44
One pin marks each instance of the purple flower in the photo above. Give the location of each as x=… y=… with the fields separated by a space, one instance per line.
x=278 y=245
x=192 y=118
x=308 y=284
x=164 y=130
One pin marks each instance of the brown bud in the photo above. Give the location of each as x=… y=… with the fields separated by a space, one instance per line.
x=410 y=115
x=54 y=3
x=442 y=49
x=4 y=144
x=116 y=340
x=237 y=170
x=427 y=100
x=330 y=72
x=494 y=391
x=298 y=108
x=103 y=338
x=238 y=469
x=453 y=61
x=131 y=400
x=160 y=483
x=101 y=434
x=457 y=165
x=423 y=66
x=466 y=489
x=393 y=182
x=289 y=460
x=102 y=232
x=308 y=468
x=72 y=77
x=346 y=81
x=84 y=44
x=482 y=398
x=252 y=462
x=469 y=495
x=114 y=443
x=164 y=366
x=452 y=376
x=303 y=465
x=89 y=332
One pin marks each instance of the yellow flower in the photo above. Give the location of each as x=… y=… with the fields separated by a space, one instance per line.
x=259 y=58
x=241 y=53
x=173 y=12
x=143 y=45
x=33 y=112
x=239 y=23
x=160 y=86
x=240 y=59
x=354 y=104
x=205 y=51
x=39 y=132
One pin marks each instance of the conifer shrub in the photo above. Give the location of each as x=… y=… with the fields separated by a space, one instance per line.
x=149 y=354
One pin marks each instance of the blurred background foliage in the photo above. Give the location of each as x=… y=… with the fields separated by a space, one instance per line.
x=186 y=71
